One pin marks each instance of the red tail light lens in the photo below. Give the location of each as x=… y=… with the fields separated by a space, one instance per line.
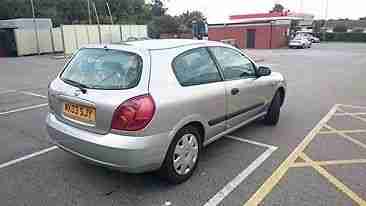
x=134 y=114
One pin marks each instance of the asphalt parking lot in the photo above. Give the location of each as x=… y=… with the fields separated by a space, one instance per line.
x=316 y=155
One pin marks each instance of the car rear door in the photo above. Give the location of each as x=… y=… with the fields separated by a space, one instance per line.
x=243 y=98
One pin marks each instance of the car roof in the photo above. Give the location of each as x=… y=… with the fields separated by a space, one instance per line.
x=159 y=44
x=142 y=46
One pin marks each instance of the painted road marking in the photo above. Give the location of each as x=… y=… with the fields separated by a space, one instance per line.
x=252 y=142
x=330 y=162
x=351 y=106
x=12 y=162
x=7 y=91
x=273 y=180
x=230 y=186
x=23 y=92
x=352 y=115
x=346 y=137
x=218 y=197
x=34 y=95
x=23 y=109
x=343 y=131
x=276 y=176
x=342 y=187
x=346 y=114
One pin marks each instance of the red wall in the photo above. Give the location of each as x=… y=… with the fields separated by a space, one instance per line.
x=262 y=35
x=279 y=38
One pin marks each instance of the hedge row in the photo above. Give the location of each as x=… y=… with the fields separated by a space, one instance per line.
x=344 y=37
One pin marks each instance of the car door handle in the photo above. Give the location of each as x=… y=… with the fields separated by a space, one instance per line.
x=234 y=91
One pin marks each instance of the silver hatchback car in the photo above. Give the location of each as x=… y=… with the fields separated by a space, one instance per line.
x=154 y=104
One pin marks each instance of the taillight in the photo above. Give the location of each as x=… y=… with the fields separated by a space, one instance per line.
x=134 y=114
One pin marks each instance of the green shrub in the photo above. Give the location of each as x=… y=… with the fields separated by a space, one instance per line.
x=345 y=37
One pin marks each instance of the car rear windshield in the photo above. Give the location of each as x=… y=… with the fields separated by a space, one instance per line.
x=104 y=69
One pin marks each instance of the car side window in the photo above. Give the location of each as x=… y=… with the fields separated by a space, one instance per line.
x=196 y=67
x=234 y=64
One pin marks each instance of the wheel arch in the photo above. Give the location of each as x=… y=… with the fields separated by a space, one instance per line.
x=196 y=121
x=199 y=126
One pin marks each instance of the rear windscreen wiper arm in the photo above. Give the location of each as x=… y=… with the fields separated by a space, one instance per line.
x=81 y=86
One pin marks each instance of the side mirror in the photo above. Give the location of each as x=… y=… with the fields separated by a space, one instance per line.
x=263 y=71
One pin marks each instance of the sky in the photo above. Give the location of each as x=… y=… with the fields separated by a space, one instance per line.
x=217 y=11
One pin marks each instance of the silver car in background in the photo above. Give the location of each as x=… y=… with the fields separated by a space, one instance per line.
x=154 y=104
x=300 y=42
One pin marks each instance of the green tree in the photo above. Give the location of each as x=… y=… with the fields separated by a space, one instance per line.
x=76 y=11
x=158 y=8
x=277 y=8
x=317 y=25
x=340 y=27
x=14 y=9
x=186 y=18
x=164 y=24
x=358 y=30
x=129 y=11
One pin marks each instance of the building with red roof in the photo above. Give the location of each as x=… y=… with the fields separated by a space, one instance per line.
x=259 y=30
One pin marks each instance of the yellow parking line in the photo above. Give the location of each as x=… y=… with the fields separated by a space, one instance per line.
x=276 y=176
x=347 y=137
x=348 y=113
x=353 y=140
x=352 y=115
x=343 y=131
x=352 y=106
x=329 y=162
x=357 y=117
x=330 y=128
x=342 y=187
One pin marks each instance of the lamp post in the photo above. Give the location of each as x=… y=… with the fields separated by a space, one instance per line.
x=96 y=14
x=301 y=5
x=89 y=12
x=325 y=19
x=35 y=27
x=109 y=11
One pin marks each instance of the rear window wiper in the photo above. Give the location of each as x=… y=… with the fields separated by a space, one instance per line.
x=81 y=86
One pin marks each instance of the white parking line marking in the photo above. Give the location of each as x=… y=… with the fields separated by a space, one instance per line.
x=7 y=91
x=23 y=109
x=252 y=142
x=230 y=186
x=7 y=164
x=34 y=94
x=23 y=92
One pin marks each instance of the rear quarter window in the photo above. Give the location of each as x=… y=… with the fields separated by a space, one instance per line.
x=98 y=68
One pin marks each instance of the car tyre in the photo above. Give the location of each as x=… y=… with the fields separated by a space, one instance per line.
x=273 y=114
x=168 y=170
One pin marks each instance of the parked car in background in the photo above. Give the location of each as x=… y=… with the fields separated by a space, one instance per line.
x=309 y=36
x=314 y=39
x=300 y=42
x=154 y=104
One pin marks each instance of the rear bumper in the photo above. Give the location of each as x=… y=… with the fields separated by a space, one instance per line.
x=124 y=153
x=295 y=45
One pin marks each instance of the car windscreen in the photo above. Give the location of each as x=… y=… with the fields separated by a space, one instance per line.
x=98 y=68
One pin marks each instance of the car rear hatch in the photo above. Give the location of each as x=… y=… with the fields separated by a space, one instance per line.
x=95 y=82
